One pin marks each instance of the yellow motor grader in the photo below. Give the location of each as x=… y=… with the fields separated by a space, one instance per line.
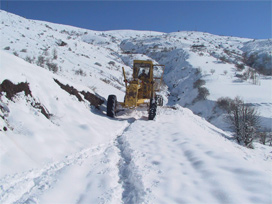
x=141 y=89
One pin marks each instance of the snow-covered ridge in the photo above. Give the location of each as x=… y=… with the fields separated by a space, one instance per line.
x=259 y=53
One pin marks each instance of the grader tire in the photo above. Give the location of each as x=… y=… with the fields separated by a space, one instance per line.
x=152 y=109
x=111 y=106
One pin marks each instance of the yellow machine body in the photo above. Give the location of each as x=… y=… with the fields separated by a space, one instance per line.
x=144 y=83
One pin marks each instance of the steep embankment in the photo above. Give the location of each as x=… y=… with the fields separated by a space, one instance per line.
x=31 y=138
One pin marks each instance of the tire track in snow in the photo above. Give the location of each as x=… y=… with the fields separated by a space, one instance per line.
x=27 y=187
x=133 y=190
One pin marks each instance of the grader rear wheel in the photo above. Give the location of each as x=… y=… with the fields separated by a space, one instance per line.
x=159 y=100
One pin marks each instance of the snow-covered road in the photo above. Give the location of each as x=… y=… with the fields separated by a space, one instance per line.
x=183 y=159
x=178 y=158
x=69 y=181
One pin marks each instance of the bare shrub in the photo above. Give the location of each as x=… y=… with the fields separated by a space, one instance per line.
x=250 y=59
x=224 y=59
x=28 y=59
x=45 y=52
x=107 y=81
x=264 y=137
x=111 y=63
x=55 y=54
x=224 y=103
x=80 y=72
x=198 y=83
x=98 y=64
x=40 y=61
x=203 y=93
x=52 y=66
x=48 y=26
x=212 y=71
x=94 y=88
x=240 y=66
x=251 y=74
x=61 y=43
x=198 y=71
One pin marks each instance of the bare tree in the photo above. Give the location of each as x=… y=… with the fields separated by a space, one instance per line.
x=263 y=137
x=243 y=120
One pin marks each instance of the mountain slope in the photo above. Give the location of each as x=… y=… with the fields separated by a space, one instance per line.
x=190 y=56
x=94 y=58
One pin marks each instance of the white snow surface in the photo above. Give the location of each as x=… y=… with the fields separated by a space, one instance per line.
x=79 y=155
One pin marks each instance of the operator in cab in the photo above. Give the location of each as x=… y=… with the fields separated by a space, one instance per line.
x=143 y=76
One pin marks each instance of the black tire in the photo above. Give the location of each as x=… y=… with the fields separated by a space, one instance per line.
x=152 y=109
x=159 y=100
x=111 y=106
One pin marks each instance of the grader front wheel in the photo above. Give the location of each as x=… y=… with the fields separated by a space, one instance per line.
x=111 y=106
x=152 y=109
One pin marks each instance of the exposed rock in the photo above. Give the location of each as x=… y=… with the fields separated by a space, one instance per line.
x=12 y=89
x=70 y=89
x=92 y=98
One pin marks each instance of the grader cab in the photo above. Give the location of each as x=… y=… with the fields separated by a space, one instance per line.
x=141 y=90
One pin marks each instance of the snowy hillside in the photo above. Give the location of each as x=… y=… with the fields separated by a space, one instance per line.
x=58 y=146
x=259 y=54
x=96 y=58
x=190 y=56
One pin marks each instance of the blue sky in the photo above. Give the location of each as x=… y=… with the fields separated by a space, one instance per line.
x=250 y=19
